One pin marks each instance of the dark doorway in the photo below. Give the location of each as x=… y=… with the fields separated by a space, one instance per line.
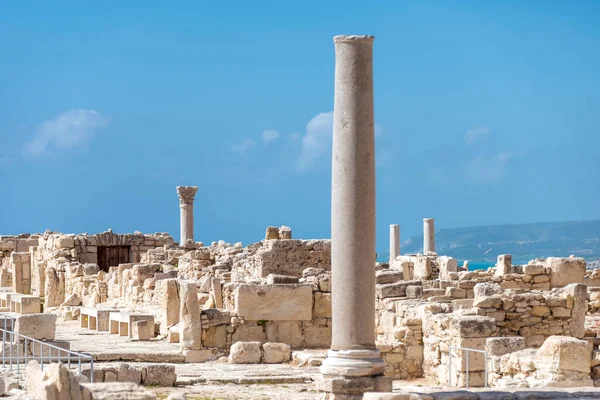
x=112 y=256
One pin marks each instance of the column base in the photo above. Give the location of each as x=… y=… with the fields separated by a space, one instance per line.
x=352 y=387
x=353 y=363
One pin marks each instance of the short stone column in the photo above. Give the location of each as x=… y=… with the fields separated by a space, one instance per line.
x=190 y=324
x=21 y=272
x=394 y=242
x=428 y=236
x=353 y=364
x=186 y=213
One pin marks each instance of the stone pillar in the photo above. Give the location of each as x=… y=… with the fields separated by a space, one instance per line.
x=353 y=364
x=21 y=272
x=428 y=236
x=186 y=213
x=190 y=324
x=394 y=242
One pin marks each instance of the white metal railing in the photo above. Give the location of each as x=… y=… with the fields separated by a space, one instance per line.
x=19 y=349
x=467 y=351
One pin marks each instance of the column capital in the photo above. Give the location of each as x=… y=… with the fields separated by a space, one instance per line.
x=186 y=194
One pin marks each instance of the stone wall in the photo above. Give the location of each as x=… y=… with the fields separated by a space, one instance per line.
x=282 y=257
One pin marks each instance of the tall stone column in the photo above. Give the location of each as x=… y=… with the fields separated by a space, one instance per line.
x=394 y=242
x=353 y=362
x=186 y=213
x=428 y=236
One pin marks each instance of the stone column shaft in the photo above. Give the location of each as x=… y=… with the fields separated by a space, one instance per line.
x=186 y=213
x=394 y=242
x=428 y=236
x=353 y=351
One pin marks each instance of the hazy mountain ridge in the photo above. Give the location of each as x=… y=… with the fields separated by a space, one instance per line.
x=523 y=241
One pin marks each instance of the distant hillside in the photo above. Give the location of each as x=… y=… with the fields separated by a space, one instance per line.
x=523 y=241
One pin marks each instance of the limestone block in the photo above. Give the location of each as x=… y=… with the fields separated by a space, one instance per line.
x=533 y=269
x=288 y=332
x=388 y=276
x=562 y=354
x=397 y=289
x=127 y=373
x=414 y=292
x=37 y=326
x=276 y=353
x=503 y=265
x=578 y=293
x=160 y=375
x=566 y=270
x=72 y=301
x=142 y=330
x=54 y=382
x=285 y=232
x=190 y=324
x=422 y=267
x=473 y=326
x=428 y=293
x=456 y=293
x=245 y=353
x=65 y=242
x=169 y=303
x=274 y=302
x=446 y=266
x=249 y=333
x=317 y=337
x=215 y=336
x=272 y=233
x=499 y=346
x=322 y=308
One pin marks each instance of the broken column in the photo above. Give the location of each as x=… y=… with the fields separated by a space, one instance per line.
x=190 y=333
x=428 y=236
x=21 y=272
x=186 y=213
x=394 y=242
x=353 y=363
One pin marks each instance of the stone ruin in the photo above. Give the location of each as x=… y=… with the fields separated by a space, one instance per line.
x=260 y=303
x=305 y=302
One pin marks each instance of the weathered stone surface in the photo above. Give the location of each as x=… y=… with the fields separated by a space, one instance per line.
x=170 y=303
x=37 y=326
x=190 y=324
x=275 y=353
x=245 y=353
x=322 y=308
x=473 y=326
x=388 y=276
x=561 y=354
x=503 y=345
x=274 y=303
x=288 y=332
x=566 y=270
x=578 y=293
x=160 y=375
x=71 y=301
x=127 y=373
x=397 y=289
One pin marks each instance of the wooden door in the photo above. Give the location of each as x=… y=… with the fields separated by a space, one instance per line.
x=112 y=256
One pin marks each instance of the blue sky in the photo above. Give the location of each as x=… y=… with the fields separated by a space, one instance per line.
x=487 y=113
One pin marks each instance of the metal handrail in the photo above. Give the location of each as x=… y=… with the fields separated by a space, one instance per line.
x=467 y=350
x=22 y=352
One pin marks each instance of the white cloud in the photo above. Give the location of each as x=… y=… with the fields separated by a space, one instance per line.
x=270 y=135
x=68 y=130
x=244 y=147
x=490 y=169
x=317 y=140
x=476 y=133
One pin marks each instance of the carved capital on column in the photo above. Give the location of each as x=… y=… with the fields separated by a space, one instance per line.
x=186 y=194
